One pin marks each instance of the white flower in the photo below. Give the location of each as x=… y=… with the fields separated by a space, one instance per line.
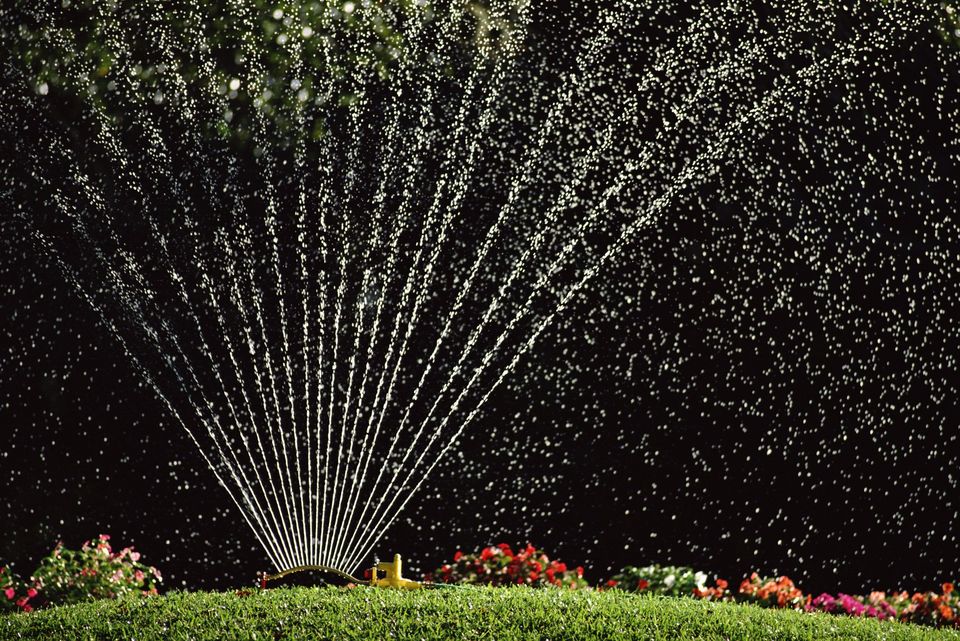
x=669 y=580
x=701 y=579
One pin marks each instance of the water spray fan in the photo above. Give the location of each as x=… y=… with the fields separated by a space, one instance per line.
x=392 y=575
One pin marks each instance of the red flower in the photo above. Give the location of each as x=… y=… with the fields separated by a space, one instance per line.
x=505 y=549
x=27 y=608
x=643 y=584
x=457 y=556
x=31 y=593
x=488 y=553
x=10 y=592
x=611 y=583
x=580 y=571
x=721 y=584
x=947 y=588
x=530 y=551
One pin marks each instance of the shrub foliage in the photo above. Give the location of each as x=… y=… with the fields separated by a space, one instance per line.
x=67 y=576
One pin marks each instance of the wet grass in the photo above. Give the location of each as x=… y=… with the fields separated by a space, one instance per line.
x=468 y=613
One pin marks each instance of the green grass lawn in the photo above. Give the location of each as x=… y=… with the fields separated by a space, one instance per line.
x=467 y=613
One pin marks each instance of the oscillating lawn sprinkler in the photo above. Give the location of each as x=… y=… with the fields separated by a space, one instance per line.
x=392 y=575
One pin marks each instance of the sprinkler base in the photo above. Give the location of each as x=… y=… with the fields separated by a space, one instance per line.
x=393 y=575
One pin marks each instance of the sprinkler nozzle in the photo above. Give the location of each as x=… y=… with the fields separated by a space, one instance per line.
x=394 y=575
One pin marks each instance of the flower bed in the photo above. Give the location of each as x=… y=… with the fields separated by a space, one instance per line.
x=669 y=580
x=498 y=565
x=67 y=576
x=924 y=608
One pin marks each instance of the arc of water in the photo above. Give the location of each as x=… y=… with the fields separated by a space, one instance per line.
x=320 y=516
x=255 y=73
x=568 y=190
x=459 y=186
x=186 y=101
x=389 y=155
x=114 y=331
x=759 y=113
x=723 y=71
x=386 y=493
x=338 y=313
x=187 y=106
x=344 y=522
x=312 y=515
x=112 y=144
x=530 y=156
x=319 y=519
x=345 y=447
x=299 y=168
x=530 y=250
x=130 y=304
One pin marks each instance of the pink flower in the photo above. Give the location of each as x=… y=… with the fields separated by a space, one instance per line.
x=117 y=576
x=134 y=556
x=31 y=593
x=10 y=592
x=138 y=575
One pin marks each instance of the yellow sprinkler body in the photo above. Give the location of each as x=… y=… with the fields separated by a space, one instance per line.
x=394 y=576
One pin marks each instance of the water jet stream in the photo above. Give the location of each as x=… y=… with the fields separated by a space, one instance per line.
x=304 y=326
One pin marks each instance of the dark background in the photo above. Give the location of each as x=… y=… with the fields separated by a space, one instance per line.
x=766 y=380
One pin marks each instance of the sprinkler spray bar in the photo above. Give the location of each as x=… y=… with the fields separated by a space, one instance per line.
x=393 y=575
